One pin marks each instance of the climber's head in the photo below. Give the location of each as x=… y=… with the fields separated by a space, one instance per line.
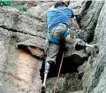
x=60 y=4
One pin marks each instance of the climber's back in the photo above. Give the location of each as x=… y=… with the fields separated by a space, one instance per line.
x=58 y=15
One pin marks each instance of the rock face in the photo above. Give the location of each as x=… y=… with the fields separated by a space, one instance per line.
x=19 y=63
x=97 y=78
x=94 y=76
x=22 y=40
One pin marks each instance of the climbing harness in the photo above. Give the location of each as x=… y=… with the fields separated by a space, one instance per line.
x=54 y=40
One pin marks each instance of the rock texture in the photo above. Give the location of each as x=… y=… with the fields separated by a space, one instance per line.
x=22 y=44
x=97 y=78
x=22 y=40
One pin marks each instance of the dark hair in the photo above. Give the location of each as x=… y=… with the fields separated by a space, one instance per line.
x=60 y=3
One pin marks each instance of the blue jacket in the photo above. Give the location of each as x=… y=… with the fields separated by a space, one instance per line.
x=58 y=15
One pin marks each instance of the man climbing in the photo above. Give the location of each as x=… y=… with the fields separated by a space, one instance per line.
x=58 y=20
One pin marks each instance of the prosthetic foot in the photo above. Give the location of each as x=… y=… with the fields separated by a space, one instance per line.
x=47 y=67
x=92 y=49
x=81 y=45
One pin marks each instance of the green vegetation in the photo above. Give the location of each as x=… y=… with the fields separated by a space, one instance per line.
x=9 y=3
x=22 y=8
x=5 y=3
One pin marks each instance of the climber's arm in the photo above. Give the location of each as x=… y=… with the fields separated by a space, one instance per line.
x=42 y=16
x=74 y=22
x=76 y=12
x=73 y=19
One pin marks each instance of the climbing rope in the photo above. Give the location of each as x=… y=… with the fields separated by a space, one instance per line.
x=55 y=86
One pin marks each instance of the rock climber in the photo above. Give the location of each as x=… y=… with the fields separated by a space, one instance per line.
x=58 y=21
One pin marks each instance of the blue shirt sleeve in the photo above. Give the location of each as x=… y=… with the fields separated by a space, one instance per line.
x=71 y=12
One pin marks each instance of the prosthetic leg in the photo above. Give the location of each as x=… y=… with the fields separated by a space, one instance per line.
x=80 y=45
x=47 y=67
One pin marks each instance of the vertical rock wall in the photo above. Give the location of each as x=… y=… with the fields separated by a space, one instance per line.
x=94 y=76
x=97 y=81
x=20 y=67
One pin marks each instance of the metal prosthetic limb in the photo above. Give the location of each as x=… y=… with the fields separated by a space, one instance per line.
x=93 y=48
x=81 y=44
x=47 y=67
x=88 y=45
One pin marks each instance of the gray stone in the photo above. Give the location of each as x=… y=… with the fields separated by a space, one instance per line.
x=97 y=81
x=20 y=71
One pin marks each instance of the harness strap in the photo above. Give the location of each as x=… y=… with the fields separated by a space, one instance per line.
x=54 y=40
x=57 y=40
x=65 y=34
